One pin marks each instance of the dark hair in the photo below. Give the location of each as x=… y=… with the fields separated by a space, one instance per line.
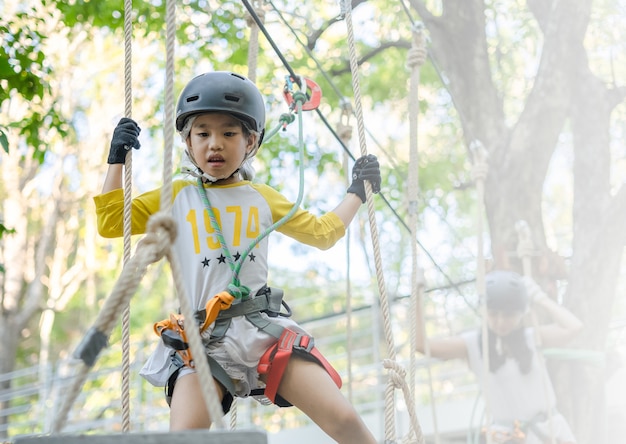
x=513 y=345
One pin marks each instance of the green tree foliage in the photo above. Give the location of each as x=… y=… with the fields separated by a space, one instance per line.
x=25 y=73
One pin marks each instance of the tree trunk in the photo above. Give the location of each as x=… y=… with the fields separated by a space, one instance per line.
x=564 y=90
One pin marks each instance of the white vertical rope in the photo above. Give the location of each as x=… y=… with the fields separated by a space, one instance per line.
x=128 y=174
x=207 y=384
x=253 y=43
x=479 y=173
x=415 y=59
x=390 y=429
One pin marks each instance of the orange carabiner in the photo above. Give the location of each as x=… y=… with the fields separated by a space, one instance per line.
x=313 y=92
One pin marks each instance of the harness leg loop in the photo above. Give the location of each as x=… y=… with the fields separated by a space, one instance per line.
x=274 y=361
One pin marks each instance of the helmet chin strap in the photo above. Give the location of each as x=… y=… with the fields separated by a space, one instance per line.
x=198 y=172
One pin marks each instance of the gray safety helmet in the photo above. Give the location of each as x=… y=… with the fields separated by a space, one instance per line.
x=505 y=290
x=222 y=91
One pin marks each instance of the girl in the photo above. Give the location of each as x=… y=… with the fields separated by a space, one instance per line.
x=221 y=119
x=520 y=395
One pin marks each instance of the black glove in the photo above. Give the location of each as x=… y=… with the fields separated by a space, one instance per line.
x=125 y=137
x=365 y=168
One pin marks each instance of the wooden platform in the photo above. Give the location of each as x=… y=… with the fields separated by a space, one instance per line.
x=187 y=436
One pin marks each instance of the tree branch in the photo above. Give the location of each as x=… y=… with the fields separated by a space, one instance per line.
x=404 y=44
x=314 y=36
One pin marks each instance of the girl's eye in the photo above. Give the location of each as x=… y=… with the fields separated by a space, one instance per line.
x=229 y=133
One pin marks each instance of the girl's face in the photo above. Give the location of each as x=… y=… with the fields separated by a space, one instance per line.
x=502 y=323
x=219 y=144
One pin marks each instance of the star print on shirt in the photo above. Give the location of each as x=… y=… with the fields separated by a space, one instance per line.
x=222 y=259
x=252 y=257
x=205 y=262
x=236 y=256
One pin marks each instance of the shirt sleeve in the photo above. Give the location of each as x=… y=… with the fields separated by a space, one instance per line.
x=110 y=212
x=318 y=231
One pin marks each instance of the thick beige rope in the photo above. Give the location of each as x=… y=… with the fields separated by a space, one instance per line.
x=160 y=235
x=390 y=431
x=415 y=59
x=207 y=383
x=253 y=45
x=480 y=167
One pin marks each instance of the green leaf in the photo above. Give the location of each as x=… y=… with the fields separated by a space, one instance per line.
x=4 y=141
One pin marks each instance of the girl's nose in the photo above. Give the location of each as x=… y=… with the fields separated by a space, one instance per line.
x=215 y=143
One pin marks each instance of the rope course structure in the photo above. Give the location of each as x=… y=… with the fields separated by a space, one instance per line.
x=162 y=231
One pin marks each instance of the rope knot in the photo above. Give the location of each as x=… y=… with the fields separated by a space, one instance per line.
x=238 y=291
x=344 y=132
x=160 y=235
x=480 y=159
x=418 y=53
x=416 y=57
x=396 y=372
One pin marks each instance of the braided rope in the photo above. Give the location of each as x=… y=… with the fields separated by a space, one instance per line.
x=416 y=57
x=161 y=232
x=128 y=174
x=193 y=335
x=397 y=379
x=480 y=168
x=233 y=414
x=253 y=45
x=209 y=390
x=384 y=303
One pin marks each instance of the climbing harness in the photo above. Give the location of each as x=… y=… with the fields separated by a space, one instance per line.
x=274 y=360
x=514 y=435
x=517 y=432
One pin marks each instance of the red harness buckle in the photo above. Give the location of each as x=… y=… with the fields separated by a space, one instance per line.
x=274 y=361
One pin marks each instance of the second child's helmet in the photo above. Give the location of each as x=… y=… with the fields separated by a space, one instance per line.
x=222 y=91
x=505 y=290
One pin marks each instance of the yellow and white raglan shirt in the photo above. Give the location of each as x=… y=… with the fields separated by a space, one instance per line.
x=244 y=211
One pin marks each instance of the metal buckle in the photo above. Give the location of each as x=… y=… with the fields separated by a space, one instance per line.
x=312 y=89
x=297 y=345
